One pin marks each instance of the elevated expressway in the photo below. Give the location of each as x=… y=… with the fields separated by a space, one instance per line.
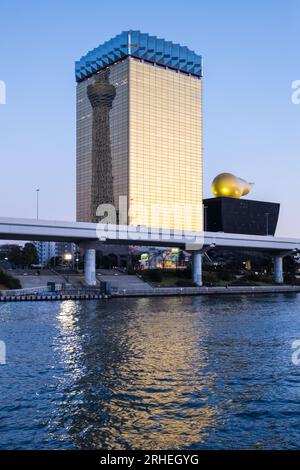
x=91 y=237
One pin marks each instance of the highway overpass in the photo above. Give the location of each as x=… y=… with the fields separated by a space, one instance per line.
x=92 y=236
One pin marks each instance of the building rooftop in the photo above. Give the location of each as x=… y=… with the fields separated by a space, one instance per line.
x=142 y=46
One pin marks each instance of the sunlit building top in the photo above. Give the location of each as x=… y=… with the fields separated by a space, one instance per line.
x=143 y=46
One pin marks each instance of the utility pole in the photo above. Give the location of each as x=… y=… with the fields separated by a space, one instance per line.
x=37 y=204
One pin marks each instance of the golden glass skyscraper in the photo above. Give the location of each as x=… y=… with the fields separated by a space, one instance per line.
x=139 y=132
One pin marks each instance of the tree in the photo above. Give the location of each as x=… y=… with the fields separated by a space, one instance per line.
x=8 y=281
x=113 y=260
x=13 y=253
x=105 y=262
x=99 y=256
x=55 y=261
x=29 y=255
x=181 y=258
x=289 y=264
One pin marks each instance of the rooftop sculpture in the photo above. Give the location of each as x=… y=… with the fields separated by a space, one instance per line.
x=229 y=185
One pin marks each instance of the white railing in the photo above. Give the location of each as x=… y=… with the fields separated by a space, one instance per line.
x=27 y=290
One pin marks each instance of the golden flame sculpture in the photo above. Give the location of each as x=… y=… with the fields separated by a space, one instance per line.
x=229 y=185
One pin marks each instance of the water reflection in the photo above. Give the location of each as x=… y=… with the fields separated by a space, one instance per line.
x=139 y=379
x=69 y=339
x=151 y=373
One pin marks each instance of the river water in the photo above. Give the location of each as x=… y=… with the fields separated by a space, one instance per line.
x=161 y=373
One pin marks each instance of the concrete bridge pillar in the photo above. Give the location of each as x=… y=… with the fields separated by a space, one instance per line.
x=197 y=267
x=90 y=266
x=278 y=269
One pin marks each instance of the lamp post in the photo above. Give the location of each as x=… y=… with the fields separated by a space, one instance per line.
x=205 y=218
x=37 y=204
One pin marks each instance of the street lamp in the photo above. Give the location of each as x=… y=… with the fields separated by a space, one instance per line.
x=68 y=258
x=205 y=218
x=37 y=204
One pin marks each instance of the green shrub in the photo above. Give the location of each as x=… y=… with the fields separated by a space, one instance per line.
x=9 y=281
x=185 y=283
x=251 y=276
x=266 y=279
x=225 y=275
x=184 y=273
x=289 y=278
x=242 y=282
x=152 y=275
x=131 y=272
x=210 y=277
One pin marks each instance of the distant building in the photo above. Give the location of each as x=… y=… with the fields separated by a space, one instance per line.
x=66 y=250
x=46 y=250
x=139 y=131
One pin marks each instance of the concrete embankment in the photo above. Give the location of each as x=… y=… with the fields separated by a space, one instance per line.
x=123 y=285
x=175 y=291
x=159 y=291
x=49 y=297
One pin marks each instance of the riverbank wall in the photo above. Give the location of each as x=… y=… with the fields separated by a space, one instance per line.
x=154 y=292
x=215 y=290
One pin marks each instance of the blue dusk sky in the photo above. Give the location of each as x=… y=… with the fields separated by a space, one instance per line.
x=251 y=128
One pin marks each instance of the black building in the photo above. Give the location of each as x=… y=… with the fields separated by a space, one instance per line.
x=230 y=215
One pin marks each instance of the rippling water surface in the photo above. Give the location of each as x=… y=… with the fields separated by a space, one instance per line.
x=180 y=373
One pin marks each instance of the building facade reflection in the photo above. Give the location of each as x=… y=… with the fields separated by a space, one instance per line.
x=137 y=378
